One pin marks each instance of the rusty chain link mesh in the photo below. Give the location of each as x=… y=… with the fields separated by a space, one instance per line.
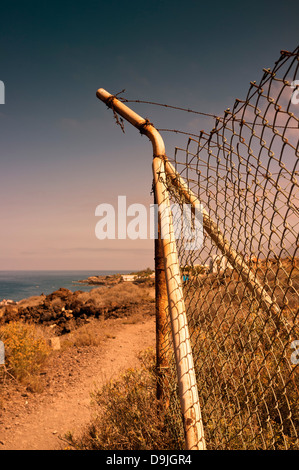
x=241 y=284
x=244 y=173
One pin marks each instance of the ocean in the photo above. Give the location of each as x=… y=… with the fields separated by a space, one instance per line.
x=18 y=285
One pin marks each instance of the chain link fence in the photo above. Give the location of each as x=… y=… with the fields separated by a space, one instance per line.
x=241 y=286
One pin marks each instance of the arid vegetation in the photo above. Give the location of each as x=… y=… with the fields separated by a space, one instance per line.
x=26 y=353
x=248 y=387
x=242 y=352
x=28 y=328
x=129 y=416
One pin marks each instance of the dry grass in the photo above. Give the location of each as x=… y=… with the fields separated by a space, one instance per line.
x=119 y=295
x=33 y=301
x=248 y=385
x=26 y=353
x=90 y=334
x=129 y=417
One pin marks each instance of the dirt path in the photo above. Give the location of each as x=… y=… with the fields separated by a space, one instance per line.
x=31 y=421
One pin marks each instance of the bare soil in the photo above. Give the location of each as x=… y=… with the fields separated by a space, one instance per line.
x=40 y=421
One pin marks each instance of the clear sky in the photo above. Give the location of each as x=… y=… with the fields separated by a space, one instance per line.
x=61 y=152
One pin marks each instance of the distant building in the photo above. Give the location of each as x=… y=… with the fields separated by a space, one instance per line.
x=128 y=277
x=219 y=264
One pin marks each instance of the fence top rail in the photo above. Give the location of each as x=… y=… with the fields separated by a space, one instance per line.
x=143 y=125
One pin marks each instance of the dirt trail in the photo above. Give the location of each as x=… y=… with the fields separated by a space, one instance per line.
x=31 y=421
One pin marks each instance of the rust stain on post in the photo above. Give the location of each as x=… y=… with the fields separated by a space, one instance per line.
x=162 y=343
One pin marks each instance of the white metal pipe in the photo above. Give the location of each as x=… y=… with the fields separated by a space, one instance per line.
x=144 y=126
x=188 y=392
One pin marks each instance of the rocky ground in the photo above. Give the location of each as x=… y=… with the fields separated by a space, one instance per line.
x=64 y=310
x=40 y=421
x=121 y=317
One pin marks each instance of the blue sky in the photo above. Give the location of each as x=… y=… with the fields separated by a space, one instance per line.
x=61 y=153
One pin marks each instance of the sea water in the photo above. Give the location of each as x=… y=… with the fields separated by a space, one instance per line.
x=18 y=285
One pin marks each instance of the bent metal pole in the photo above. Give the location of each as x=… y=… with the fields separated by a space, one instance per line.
x=194 y=433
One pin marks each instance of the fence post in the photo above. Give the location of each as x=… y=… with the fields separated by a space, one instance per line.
x=191 y=413
x=188 y=393
x=161 y=315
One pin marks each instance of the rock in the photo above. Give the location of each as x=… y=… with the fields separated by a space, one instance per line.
x=68 y=313
x=5 y=302
x=46 y=316
x=11 y=313
x=2 y=311
x=108 y=280
x=62 y=293
x=54 y=343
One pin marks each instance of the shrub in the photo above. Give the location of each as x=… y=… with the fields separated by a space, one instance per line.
x=86 y=335
x=26 y=351
x=129 y=417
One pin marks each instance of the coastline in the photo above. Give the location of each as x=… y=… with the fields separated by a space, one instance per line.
x=19 y=285
x=112 y=279
x=63 y=310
